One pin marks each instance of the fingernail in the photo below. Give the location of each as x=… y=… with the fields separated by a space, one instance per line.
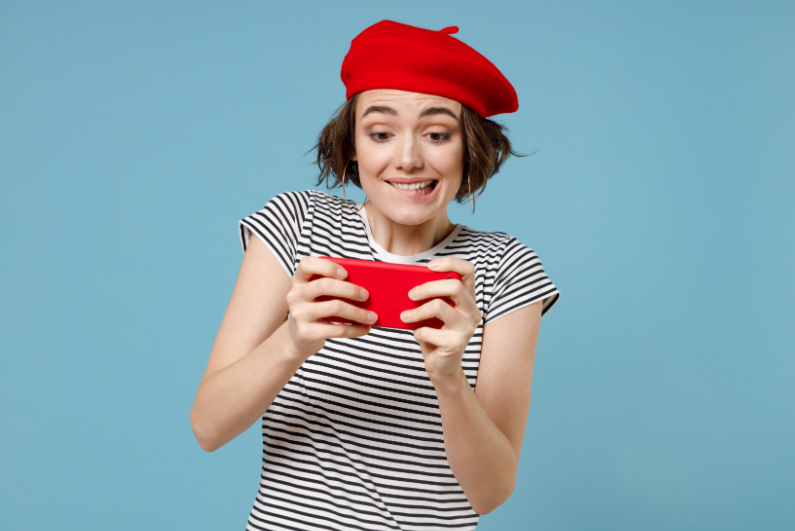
x=372 y=317
x=413 y=293
x=363 y=294
x=340 y=272
x=404 y=316
x=433 y=264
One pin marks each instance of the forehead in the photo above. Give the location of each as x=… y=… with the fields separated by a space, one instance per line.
x=411 y=103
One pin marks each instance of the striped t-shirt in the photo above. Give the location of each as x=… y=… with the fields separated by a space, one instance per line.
x=354 y=440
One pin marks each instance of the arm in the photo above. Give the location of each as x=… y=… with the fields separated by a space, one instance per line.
x=483 y=430
x=249 y=362
x=259 y=346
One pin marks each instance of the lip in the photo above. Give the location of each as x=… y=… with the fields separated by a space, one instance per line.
x=410 y=180
x=414 y=195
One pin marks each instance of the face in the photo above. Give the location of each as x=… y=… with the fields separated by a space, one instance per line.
x=410 y=153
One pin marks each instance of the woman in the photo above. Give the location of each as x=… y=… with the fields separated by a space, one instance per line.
x=367 y=427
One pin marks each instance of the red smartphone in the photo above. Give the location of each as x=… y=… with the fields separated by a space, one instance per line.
x=389 y=285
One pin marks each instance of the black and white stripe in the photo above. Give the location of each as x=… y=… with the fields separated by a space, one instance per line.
x=354 y=440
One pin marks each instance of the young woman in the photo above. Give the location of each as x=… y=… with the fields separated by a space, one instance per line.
x=376 y=428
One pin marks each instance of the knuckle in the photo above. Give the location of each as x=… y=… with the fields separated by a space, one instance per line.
x=305 y=264
x=354 y=291
x=327 y=286
x=349 y=331
x=292 y=296
x=322 y=284
x=299 y=316
x=340 y=330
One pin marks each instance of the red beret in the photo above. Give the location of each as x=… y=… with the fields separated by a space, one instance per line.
x=391 y=55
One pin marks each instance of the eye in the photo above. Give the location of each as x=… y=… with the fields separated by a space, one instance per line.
x=438 y=137
x=379 y=136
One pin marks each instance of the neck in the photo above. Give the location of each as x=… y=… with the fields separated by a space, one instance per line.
x=407 y=240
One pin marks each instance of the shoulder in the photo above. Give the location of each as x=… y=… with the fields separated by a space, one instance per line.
x=308 y=199
x=486 y=238
x=325 y=200
x=298 y=204
x=496 y=246
x=513 y=273
x=295 y=200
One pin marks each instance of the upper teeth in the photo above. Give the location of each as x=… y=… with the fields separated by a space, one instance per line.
x=412 y=186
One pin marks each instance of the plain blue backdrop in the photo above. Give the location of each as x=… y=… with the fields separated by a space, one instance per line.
x=134 y=135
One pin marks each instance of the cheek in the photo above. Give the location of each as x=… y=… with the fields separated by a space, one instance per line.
x=369 y=168
x=370 y=160
x=451 y=162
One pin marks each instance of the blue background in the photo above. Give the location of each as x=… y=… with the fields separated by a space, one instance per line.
x=134 y=135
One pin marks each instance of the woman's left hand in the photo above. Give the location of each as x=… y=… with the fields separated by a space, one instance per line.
x=443 y=348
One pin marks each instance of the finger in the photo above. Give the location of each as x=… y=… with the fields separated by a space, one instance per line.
x=312 y=266
x=464 y=301
x=449 y=263
x=321 y=331
x=435 y=308
x=448 y=343
x=343 y=330
x=448 y=288
x=332 y=287
x=434 y=336
x=462 y=267
x=340 y=309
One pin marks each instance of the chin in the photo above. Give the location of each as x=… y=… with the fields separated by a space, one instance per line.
x=407 y=207
x=409 y=215
x=406 y=216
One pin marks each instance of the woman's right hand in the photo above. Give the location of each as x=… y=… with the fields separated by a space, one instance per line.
x=315 y=278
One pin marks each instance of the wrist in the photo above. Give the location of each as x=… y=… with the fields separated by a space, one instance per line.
x=450 y=385
x=289 y=349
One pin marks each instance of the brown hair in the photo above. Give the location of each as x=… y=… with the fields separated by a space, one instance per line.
x=485 y=149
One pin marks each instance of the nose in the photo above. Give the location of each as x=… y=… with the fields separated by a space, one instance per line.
x=409 y=155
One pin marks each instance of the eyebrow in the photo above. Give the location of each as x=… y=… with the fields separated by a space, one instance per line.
x=379 y=108
x=430 y=111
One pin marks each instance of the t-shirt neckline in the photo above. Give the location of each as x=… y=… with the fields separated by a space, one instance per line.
x=386 y=256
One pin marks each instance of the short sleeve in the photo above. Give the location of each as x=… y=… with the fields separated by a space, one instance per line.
x=520 y=281
x=278 y=224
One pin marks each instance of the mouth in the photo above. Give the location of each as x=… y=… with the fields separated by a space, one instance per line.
x=421 y=187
